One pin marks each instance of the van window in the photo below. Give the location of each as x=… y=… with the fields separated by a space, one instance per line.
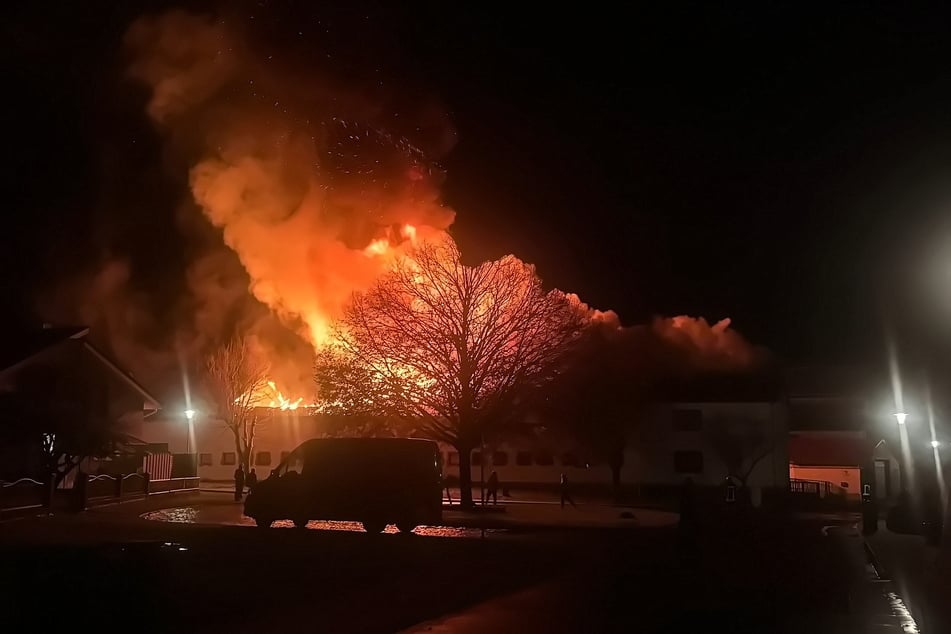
x=228 y=458
x=476 y=458
x=204 y=460
x=293 y=463
x=523 y=458
x=499 y=458
x=453 y=458
x=263 y=459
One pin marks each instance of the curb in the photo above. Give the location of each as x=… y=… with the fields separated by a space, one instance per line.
x=876 y=564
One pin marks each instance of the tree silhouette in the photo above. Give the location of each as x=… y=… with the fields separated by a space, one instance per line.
x=235 y=377
x=741 y=444
x=447 y=348
x=600 y=394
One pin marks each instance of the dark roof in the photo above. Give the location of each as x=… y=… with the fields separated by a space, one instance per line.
x=724 y=387
x=18 y=348
x=827 y=414
x=820 y=380
x=22 y=346
x=829 y=450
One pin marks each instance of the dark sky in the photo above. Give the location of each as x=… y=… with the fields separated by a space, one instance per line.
x=781 y=165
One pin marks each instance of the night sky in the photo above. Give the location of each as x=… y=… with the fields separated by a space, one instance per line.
x=783 y=166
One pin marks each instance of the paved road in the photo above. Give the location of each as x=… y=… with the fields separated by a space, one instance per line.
x=909 y=562
x=111 y=567
x=214 y=508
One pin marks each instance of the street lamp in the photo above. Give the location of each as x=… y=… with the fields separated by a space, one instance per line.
x=900 y=417
x=189 y=416
x=935 y=444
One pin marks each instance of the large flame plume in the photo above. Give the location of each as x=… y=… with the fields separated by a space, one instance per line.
x=314 y=185
x=312 y=196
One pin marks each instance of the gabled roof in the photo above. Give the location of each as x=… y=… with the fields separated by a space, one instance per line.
x=829 y=450
x=20 y=348
x=125 y=377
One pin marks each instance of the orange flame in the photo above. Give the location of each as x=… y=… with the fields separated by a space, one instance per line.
x=271 y=397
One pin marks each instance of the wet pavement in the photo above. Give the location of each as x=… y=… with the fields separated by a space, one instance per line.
x=220 y=509
x=229 y=514
x=190 y=574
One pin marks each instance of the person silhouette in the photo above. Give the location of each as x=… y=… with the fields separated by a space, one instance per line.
x=565 y=496
x=252 y=479
x=493 y=487
x=238 y=483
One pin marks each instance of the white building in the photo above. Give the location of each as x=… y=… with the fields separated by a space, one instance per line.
x=674 y=442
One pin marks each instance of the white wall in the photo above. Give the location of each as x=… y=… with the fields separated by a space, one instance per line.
x=657 y=440
x=835 y=476
x=649 y=458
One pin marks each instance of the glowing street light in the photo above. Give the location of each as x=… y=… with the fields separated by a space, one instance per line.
x=190 y=417
x=900 y=417
x=935 y=444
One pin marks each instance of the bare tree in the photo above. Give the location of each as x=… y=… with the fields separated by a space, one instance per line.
x=236 y=376
x=447 y=348
x=741 y=444
x=599 y=395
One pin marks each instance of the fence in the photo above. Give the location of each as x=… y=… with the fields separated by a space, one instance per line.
x=810 y=487
x=26 y=493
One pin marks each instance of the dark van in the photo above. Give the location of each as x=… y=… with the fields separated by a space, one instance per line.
x=377 y=481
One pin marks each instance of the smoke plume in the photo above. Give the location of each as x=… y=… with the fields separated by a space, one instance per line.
x=306 y=189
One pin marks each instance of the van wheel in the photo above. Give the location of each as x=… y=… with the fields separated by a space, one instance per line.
x=262 y=523
x=374 y=526
x=406 y=526
x=300 y=523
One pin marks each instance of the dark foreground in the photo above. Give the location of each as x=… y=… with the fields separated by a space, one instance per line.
x=113 y=571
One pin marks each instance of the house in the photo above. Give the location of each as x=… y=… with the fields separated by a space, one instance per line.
x=836 y=446
x=64 y=374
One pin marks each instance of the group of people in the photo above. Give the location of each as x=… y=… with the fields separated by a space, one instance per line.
x=241 y=481
x=492 y=489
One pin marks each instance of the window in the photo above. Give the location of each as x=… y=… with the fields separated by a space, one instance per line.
x=284 y=455
x=294 y=463
x=263 y=459
x=569 y=460
x=453 y=458
x=523 y=458
x=228 y=459
x=688 y=461
x=204 y=460
x=687 y=419
x=476 y=458
x=499 y=458
x=544 y=459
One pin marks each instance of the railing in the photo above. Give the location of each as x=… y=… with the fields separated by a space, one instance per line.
x=172 y=485
x=24 y=493
x=815 y=488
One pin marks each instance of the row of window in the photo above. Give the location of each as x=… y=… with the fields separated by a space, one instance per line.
x=230 y=459
x=684 y=461
x=522 y=459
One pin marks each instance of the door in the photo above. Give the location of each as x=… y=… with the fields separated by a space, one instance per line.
x=882 y=484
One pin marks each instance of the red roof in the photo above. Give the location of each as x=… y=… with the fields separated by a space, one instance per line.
x=829 y=451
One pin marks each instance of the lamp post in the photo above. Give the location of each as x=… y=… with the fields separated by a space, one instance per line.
x=189 y=416
x=904 y=462
x=189 y=430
